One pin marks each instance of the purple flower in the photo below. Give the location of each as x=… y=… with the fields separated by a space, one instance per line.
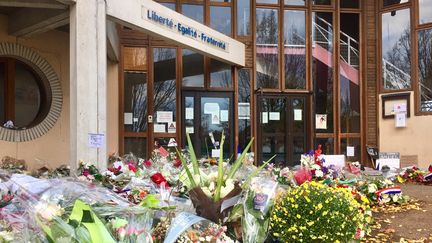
x=324 y=169
x=312 y=152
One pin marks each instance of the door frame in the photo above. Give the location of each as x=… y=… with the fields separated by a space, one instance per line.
x=197 y=95
x=289 y=124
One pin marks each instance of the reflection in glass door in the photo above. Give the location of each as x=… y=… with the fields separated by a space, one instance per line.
x=205 y=115
x=282 y=128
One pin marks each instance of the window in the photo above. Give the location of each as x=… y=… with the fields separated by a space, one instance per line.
x=24 y=96
x=425 y=11
x=243 y=18
x=388 y=3
x=193 y=69
x=244 y=108
x=322 y=71
x=267 y=48
x=220 y=19
x=295 y=49
x=396 y=50
x=295 y=2
x=425 y=69
x=164 y=89
x=193 y=11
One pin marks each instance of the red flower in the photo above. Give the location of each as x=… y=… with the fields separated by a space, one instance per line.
x=147 y=163
x=158 y=179
x=132 y=167
x=430 y=168
x=177 y=163
x=114 y=170
x=85 y=173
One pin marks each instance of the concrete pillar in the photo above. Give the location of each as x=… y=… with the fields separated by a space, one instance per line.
x=88 y=81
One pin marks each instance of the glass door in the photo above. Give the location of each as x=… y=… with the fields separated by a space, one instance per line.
x=205 y=116
x=282 y=128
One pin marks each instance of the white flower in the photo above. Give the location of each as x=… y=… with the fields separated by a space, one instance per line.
x=316 y=167
x=109 y=174
x=372 y=188
x=319 y=173
x=211 y=186
x=119 y=164
x=285 y=172
x=229 y=186
x=48 y=211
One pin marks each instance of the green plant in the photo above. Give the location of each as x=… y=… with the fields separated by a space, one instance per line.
x=314 y=212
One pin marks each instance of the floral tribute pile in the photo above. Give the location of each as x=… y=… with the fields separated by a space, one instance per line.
x=173 y=196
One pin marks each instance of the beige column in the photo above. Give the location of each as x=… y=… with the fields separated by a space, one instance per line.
x=88 y=81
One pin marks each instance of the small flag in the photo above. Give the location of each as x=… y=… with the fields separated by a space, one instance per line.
x=390 y=190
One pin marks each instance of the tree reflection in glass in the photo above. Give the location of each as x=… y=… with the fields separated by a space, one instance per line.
x=267 y=48
x=295 y=49
x=164 y=82
x=425 y=69
x=396 y=50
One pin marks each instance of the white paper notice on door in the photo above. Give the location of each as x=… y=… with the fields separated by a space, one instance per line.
x=160 y=128
x=350 y=151
x=264 y=117
x=215 y=118
x=274 y=116
x=128 y=118
x=211 y=108
x=189 y=113
x=224 y=115
x=243 y=111
x=164 y=116
x=298 y=115
x=321 y=121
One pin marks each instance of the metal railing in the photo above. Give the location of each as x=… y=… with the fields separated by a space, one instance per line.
x=394 y=77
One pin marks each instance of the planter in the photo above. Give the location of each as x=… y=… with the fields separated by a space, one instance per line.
x=209 y=209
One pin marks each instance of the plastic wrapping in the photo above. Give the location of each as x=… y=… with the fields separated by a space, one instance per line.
x=65 y=210
x=257 y=205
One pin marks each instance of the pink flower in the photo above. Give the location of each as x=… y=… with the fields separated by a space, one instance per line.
x=85 y=173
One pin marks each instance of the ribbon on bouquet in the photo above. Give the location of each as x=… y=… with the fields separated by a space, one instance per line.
x=428 y=177
x=389 y=191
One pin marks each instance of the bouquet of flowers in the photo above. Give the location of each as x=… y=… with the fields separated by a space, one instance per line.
x=209 y=191
x=187 y=227
x=13 y=165
x=381 y=191
x=314 y=162
x=257 y=206
x=283 y=176
x=414 y=174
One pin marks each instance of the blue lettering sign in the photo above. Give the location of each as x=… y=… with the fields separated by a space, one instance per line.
x=185 y=30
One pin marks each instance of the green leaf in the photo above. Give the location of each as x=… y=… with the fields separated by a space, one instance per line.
x=185 y=166
x=220 y=180
x=239 y=161
x=247 y=181
x=192 y=155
